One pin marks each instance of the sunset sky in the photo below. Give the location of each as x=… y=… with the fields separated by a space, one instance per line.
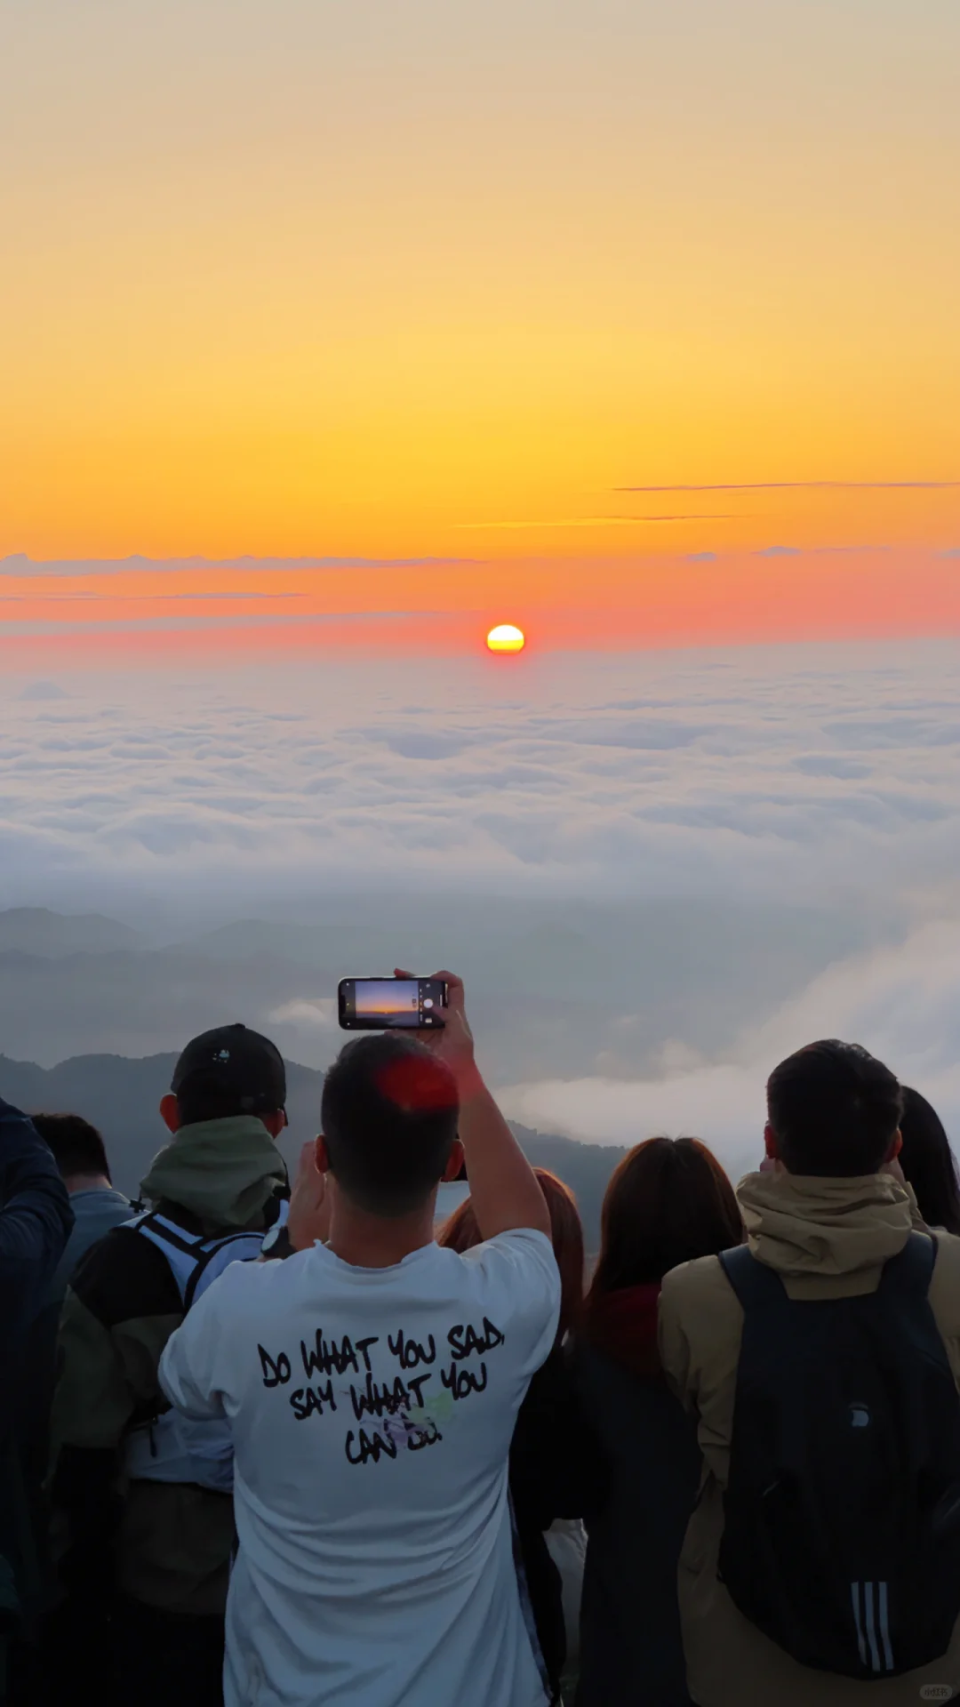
x=634 y=324
x=334 y=333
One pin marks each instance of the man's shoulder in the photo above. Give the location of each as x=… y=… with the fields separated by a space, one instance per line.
x=527 y=1241
x=278 y=1285
x=520 y=1250
x=512 y=1277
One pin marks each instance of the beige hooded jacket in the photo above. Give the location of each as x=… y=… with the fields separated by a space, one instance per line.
x=827 y=1238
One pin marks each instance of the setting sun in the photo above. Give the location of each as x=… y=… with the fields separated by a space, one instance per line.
x=506 y=638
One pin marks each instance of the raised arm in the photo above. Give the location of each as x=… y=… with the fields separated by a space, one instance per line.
x=503 y=1186
x=35 y=1221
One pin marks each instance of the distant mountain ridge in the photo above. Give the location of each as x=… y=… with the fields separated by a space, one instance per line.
x=120 y=1095
x=38 y=931
x=556 y=990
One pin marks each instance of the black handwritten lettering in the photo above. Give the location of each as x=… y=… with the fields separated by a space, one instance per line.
x=410 y=1353
x=465 y=1339
x=304 y=1401
x=327 y=1357
x=416 y=1385
x=276 y=1371
x=460 y=1383
x=362 y=1349
x=419 y=1437
x=360 y=1448
x=377 y=1397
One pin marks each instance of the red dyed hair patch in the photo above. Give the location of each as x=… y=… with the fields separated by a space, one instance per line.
x=417 y=1084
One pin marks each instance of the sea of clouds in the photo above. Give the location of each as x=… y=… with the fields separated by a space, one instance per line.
x=902 y=1002
x=779 y=770
x=825 y=773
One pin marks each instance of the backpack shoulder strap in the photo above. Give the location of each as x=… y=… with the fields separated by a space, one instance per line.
x=160 y=1230
x=911 y=1270
x=211 y=1250
x=756 y=1285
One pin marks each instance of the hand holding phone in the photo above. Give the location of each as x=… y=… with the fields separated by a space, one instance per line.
x=454 y=1044
x=504 y=1189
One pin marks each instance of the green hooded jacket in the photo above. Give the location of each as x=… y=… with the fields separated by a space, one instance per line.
x=166 y=1544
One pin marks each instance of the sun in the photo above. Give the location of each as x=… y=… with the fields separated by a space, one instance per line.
x=506 y=638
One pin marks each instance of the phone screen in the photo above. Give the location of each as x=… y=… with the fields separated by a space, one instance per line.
x=387 y=998
x=385 y=1004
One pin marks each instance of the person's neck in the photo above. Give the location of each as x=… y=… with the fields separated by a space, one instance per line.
x=374 y=1241
x=87 y=1182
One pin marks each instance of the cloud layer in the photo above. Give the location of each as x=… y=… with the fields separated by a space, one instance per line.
x=824 y=774
x=787 y=773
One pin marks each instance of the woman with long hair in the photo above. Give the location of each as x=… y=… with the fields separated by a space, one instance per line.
x=928 y=1163
x=539 y=1455
x=461 y=1233
x=668 y=1202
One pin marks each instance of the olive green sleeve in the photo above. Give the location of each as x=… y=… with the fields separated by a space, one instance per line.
x=105 y=1374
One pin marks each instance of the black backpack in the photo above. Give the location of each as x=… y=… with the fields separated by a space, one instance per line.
x=842 y=1513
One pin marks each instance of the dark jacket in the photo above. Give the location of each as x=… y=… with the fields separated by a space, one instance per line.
x=542 y=1489
x=35 y=1223
x=647 y=1471
x=164 y=1544
x=95 y=1211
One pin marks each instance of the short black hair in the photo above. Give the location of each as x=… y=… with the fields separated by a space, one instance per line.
x=78 y=1147
x=198 y=1102
x=389 y=1116
x=835 y=1110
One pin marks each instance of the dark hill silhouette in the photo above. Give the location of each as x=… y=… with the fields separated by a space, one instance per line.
x=121 y=1095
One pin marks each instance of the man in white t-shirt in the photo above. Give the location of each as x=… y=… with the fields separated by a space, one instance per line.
x=372 y=1384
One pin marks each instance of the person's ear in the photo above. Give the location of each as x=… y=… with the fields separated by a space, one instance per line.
x=770 y=1144
x=275 y=1122
x=170 y=1112
x=323 y=1159
x=896 y=1145
x=454 y=1165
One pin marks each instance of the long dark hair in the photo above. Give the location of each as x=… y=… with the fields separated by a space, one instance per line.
x=668 y=1202
x=461 y=1233
x=928 y=1163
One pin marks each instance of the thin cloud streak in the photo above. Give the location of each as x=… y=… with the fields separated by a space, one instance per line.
x=596 y=521
x=187 y=624
x=806 y=486
x=20 y=564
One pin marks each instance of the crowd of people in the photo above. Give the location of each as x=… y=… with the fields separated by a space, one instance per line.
x=305 y=1446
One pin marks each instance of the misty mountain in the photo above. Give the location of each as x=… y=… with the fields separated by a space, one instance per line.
x=554 y=989
x=121 y=1097
x=36 y=931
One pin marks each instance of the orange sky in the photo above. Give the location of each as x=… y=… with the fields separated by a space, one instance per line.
x=442 y=607
x=454 y=282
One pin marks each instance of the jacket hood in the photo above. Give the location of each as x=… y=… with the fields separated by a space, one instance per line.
x=802 y=1225
x=222 y=1171
x=623 y=1325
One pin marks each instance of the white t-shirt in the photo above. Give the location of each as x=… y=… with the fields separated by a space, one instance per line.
x=372 y=1413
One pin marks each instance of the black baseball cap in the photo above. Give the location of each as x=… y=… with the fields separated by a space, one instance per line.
x=236 y=1063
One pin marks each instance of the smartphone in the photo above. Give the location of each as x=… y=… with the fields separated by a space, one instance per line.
x=391 y=1004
